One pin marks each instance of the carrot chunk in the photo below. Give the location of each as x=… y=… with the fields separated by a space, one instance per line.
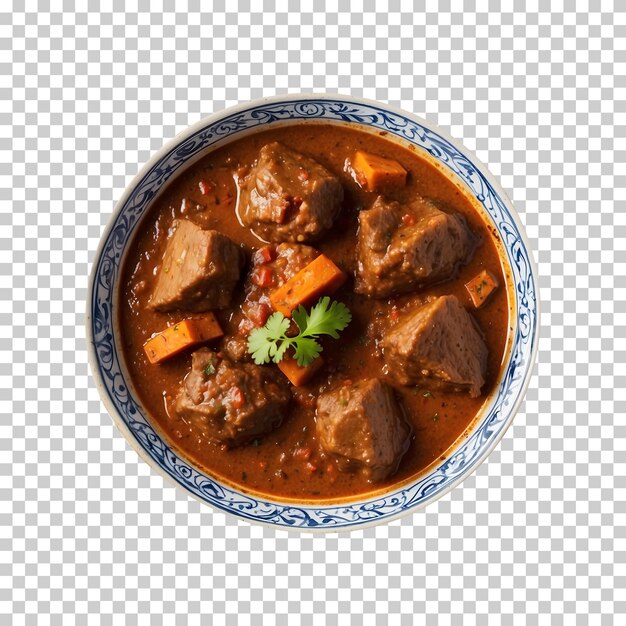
x=181 y=336
x=373 y=172
x=320 y=276
x=481 y=287
x=297 y=375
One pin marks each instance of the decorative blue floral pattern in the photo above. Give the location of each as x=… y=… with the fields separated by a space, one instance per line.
x=338 y=109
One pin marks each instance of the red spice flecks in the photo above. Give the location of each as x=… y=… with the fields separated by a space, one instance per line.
x=237 y=398
x=205 y=187
x=302 y=454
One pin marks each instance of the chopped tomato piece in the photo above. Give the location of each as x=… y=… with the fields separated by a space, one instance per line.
x=266 y=254
x=262 y=276
x=259 y=313
x=312 y=468
x=205 y=187
x=408 y=219
x=237 y=398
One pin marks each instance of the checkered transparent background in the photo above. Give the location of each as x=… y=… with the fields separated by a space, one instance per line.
x=90 y=534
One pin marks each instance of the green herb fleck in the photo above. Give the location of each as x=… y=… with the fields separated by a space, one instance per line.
x=479 y=287
x=209 y=369
x=176 y=327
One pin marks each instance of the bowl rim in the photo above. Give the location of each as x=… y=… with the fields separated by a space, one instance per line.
x=114 y=412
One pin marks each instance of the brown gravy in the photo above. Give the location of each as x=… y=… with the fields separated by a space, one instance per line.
x=268 y=465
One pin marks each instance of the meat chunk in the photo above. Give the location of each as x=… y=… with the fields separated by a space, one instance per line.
x=288 y=196
x=231 y=403
x=400 y=248
x=438 y=344
x=285 y=261
x=269 y=270
x=236 y=348
x=361 y=426
x=199 y=270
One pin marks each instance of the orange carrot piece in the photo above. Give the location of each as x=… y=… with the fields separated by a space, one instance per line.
x=297 y=375
x=481 y=287
x=208 y=327
x=320 y=276
x=181 y=336
x=373 y=172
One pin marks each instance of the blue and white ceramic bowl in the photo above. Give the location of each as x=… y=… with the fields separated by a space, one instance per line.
x=219 y=129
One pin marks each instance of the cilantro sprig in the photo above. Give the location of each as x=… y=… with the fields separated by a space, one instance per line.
x=270 y=342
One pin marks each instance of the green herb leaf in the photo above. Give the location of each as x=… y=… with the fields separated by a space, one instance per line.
x=209 y=369
x=307 y=350
x=271 y=342
x=280 y=352
x=325 y=318
x=276 y=326
x=259 y=346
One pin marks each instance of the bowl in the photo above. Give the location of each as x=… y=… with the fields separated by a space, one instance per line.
x=216 y=130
